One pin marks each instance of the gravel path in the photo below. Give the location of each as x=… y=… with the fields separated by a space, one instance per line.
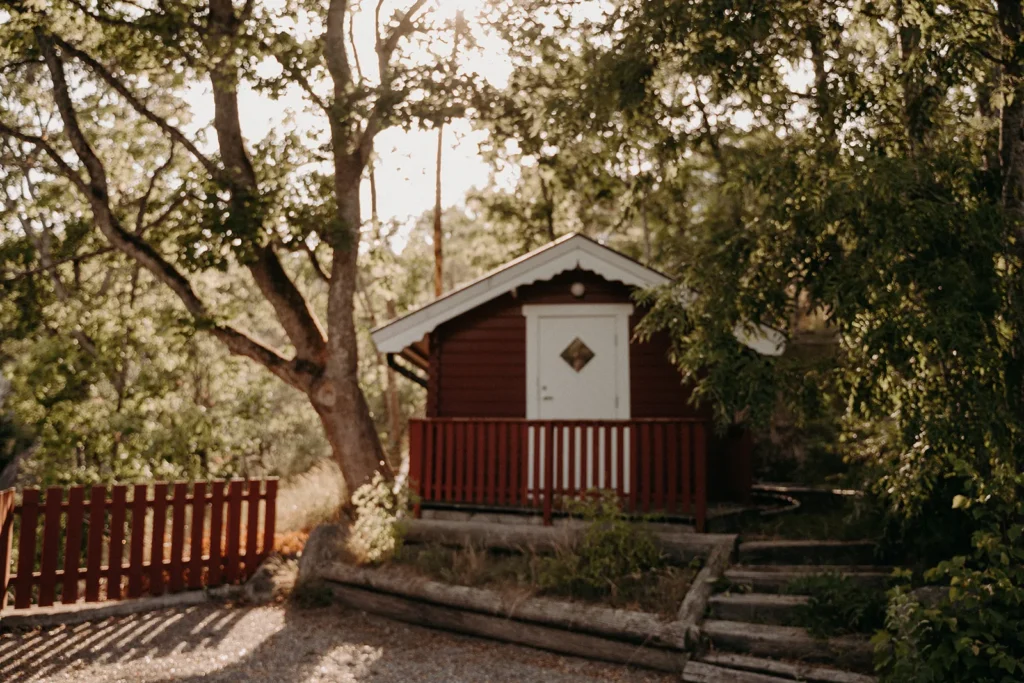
x=227 y=644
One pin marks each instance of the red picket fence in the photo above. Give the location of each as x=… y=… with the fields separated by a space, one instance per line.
x=115 y=545
x=656 y=466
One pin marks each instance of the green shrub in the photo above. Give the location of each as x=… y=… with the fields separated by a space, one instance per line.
x=610 y=555
x=377 y=532
x=975 y=630
x=838 y=605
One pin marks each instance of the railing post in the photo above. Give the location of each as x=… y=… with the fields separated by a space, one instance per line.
x=416 y=464
x=270 y=518
x=700 y=474
x=549 y=460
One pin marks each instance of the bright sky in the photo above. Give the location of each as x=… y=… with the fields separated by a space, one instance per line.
x=405 y=159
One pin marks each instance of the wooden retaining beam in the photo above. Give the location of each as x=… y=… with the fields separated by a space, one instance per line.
x=507 y=630
x=637 y=627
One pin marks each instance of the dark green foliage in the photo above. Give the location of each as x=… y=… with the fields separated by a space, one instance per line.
x=611 y=556
x=975 y=629
x=838 y=605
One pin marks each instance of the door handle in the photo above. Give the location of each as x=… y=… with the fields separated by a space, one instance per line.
x=547 y=398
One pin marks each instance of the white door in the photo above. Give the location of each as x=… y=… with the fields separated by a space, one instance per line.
x=578 y=369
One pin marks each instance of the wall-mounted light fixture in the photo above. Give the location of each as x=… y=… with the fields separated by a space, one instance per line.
x=577 y=289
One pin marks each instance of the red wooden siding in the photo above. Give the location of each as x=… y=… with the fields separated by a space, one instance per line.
x=542 y=464
x=109 y=547
x=478 y=360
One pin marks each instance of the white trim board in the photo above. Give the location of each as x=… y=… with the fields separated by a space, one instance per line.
x=566 y=253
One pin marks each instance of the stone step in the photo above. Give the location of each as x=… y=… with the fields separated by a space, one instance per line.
x=788 y=642
x=788 y=671
x=759 y=608
x=777 y=578
x=807 y=552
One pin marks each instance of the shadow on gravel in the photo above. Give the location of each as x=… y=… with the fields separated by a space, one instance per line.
x=44 y=653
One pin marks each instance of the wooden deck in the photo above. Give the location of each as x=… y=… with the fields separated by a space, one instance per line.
x=655 y=466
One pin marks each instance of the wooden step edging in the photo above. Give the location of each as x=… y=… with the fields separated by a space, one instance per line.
x=807 y=552
x=787 y=670
x=776 y=579
x=763 y=608
x=789 y=643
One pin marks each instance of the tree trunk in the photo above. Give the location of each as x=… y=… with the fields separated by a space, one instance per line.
x=438 y=233
x=394 y=409
x=336 y=395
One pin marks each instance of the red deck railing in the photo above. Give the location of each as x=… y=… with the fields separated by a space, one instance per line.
x=115 y=545
x=656 y=466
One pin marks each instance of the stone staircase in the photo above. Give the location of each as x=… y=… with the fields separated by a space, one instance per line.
x=749 y=629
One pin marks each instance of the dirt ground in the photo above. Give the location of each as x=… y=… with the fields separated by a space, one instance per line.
x=216 y=643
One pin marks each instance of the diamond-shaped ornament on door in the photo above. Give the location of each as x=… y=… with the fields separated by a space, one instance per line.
x=577 y=354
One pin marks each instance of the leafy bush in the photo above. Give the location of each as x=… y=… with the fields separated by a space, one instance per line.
x=610 y=555
x=377 y=532
x=838 y=605
x=975 y=630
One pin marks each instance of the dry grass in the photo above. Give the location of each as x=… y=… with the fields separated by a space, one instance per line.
x=309 y=499
x=659 y=590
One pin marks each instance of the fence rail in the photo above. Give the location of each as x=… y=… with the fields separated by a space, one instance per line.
x=654 y=465
x=132 y=541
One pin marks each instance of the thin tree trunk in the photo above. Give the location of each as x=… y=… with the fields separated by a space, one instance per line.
x=395 y=430
x=646 y=228
x=549 y=209
x=438 y=235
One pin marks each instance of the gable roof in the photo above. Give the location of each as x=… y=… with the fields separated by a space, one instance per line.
x=569 y=252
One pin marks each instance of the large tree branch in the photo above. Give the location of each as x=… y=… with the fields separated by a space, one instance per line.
x=291 y=308
x=122 y=89
x=295 y=372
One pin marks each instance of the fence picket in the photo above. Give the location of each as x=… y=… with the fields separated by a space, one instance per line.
x=73 y=545
x=195 y=543
x=51 y=545
x=269 y=519
x=156 y=545
x=216 y=533
x=6 y=542
x=234 y=529
x=94 y=547
x=252 y=524
x=115 y=553
x=177 y=575
x=26 y=548
x=138 y=536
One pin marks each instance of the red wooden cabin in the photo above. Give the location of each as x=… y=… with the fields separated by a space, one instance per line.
x=537 y=391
